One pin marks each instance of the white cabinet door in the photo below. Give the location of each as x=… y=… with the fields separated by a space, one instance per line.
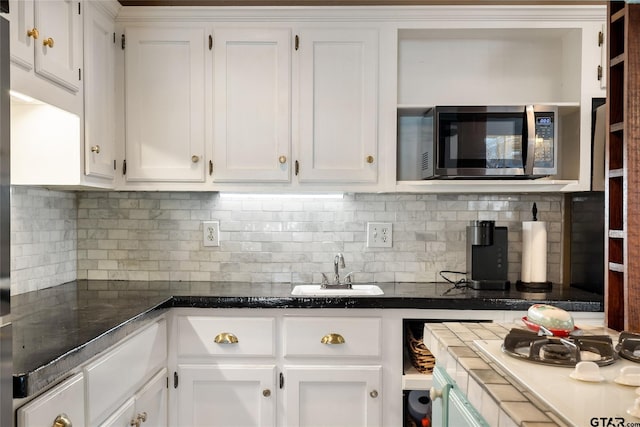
x=332 y=396
x=338 y=105
x=46 y=36
x=65 y=400
x=165 y=104
x=99 y=106
x=151 y=402
x=251 y=112
x=57 y=53
x=226 y=395
x=22 y=33
x=123 y=416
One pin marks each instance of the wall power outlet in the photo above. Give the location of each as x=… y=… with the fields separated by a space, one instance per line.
x=379 y=235
x=211 y=233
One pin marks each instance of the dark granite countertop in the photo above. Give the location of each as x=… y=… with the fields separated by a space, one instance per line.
x=57 y=329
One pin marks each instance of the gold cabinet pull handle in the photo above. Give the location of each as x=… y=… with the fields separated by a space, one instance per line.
x=48 y=42
x=142 y=417
x=266 y=392
x=195 y=159
x=225 y=338
x=369 y=159
x=95 y=149
x=62 y=420
x=282 y=159
x=33 y=33
x=332 y=339
x=135 y=422
x=374 y=393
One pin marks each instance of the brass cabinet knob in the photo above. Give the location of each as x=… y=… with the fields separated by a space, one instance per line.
x=332 y=339
x=95 y=149
x=33 y=33
x=195 y=159
x=225 y=338
x=142 y=416
x=62 y=420
x=369 y=159
x=374 y=393
x=48 y=42
x=135 y=422
x=282 y=159
x=266 y=392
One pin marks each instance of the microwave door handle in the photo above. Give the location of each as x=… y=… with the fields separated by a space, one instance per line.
x=531 y=140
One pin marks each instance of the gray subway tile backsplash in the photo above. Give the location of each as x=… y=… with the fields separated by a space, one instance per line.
x=158 y=235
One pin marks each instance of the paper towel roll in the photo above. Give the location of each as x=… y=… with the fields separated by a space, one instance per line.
x=419 y=404
x=534 y=251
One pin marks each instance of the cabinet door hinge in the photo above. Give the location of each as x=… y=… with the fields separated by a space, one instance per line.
x=296 y=42
x=123 y=41
x=79 y=12
x=124 y=167
x=599 y=72
x=600 y=38
x=296 y=167
x=175 y=380
x=281 y=380
x=80 y=74
x=210 y=167
x=167 y=382
x=210 y=42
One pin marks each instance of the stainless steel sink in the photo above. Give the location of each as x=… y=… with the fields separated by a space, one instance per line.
x=317 y=290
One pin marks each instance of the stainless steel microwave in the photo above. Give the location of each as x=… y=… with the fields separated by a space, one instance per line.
x=490 y=142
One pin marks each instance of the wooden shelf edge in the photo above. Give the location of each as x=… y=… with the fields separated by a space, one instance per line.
x=615 y=173
x=616 y=127
x=618 y=15
x=617 y=234
x=617 y=267
x=616 y=60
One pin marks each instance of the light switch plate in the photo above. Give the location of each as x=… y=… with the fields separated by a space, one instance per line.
x=379 y=235
x=211 y=233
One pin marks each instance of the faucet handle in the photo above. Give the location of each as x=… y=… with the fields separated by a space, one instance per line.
x=325 y=279
x=348 y=276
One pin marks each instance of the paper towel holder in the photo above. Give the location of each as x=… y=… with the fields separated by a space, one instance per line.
x=533 y=286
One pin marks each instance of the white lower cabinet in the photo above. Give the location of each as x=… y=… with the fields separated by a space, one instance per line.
x=276 y=368
x=227 y=395
x=63 y=402
x=147 y=408
x=348 y=396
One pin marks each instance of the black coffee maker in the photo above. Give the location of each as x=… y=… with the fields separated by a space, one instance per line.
x=487 y=253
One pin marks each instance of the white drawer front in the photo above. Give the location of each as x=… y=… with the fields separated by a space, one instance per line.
x=303 y=336
x=197 y=336
x=66 y=398
x=121 y=372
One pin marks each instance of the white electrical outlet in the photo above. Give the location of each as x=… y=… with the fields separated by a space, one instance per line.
x=379 y=235
x=211 y=233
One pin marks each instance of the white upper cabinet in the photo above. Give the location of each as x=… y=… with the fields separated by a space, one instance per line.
x=337 y=105
x=165 y=104
x=251 y=111
x=46 y=37
x=99 y=65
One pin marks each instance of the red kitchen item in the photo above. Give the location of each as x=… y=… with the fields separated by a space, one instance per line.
x=556 y=332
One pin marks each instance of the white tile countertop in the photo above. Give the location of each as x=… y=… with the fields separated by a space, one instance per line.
x=501 y=398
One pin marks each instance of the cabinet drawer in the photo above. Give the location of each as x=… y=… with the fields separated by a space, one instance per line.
x=319 y=336
x=66 y=398
x=226 y=336
x=117 y=375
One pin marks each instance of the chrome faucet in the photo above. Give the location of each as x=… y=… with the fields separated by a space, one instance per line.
x=338 y=263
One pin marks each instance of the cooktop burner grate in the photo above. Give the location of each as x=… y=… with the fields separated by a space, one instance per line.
x=559 y=351
x=629 y=346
